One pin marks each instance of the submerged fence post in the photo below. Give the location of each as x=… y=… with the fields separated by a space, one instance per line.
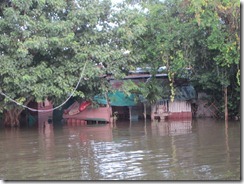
x=130 y=112
x=226 y=103
x=145 y=112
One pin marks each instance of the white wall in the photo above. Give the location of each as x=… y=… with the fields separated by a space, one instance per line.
x=179 y=106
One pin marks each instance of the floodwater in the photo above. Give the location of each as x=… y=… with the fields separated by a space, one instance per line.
x=202 y=149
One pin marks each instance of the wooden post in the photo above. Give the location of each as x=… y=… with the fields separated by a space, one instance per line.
x=226 y=103
x=227 y=142
x=109 y=106
x=145 y=127
x=130 y=112
x=145 y=112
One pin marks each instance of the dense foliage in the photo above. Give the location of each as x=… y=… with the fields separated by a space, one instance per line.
x=203 y=36
x=45 y=44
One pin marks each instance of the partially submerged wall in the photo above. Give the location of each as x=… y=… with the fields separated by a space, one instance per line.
x=204 y=106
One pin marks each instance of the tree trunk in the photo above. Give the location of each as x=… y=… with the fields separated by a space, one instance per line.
x=226 y=103
x=11 y=116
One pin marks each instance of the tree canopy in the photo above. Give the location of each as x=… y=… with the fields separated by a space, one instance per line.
x=45 y=45
x=202 y=36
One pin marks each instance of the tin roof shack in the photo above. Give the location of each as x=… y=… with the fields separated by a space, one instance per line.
x=127 y=107
x=180 y=108
x=164 y=108
x=124 y=105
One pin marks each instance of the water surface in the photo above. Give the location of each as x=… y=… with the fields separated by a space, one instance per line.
x=203 y=149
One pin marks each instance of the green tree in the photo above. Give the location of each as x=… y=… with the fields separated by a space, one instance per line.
x=203 y=36
x=219 y=22
x=167 y=40
x=45 y=45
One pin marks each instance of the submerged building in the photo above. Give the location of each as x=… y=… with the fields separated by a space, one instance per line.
x=134 y=106
x=164 y=108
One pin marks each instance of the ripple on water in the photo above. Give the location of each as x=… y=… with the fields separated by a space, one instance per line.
x=127 y=153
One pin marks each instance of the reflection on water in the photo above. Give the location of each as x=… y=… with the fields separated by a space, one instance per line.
x=202 y=149
x=46 y=139
x=90 y=132
x=171 y=127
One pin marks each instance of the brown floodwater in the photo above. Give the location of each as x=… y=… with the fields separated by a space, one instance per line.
x=202 y=149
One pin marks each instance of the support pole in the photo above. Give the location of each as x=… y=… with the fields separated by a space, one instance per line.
x=226 y=104
x=145 y=112
x=130 y=112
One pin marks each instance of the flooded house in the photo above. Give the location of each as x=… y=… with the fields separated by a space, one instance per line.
x=84 y=112
x=179 y=108
x=131 y=107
